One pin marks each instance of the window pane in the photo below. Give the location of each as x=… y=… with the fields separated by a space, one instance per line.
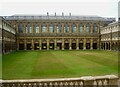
x=44 y=28
x=66 y=28
x=95 y=28
x=36 y=28
x=87 y=28
x=51 y=28
x=29 y=29
x=20 y=28
x=81 y=28
x=73 y=28
x=59 y=28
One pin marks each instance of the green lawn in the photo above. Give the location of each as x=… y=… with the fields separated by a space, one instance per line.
x=59 y=64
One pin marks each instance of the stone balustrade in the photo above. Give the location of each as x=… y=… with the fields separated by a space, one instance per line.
x=87 y=81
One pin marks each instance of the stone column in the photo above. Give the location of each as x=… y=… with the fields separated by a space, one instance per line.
x=110 y=46
x=55 y=44
x=17 y=28
x=55 y=28
x=32 y=44
x=77 y=28
x=32 y=25
x=62 y=43
x=91 y=44
x=84 y=28
x=25 y=30
x=39 y=28
x=84 y=44
x=47 y=28
x=25 y=45
x=70 y=44
x=91 y=30
x=105 y=45
x=62 y=28
x=98 y=43
x=40 y=44
x=70 y=28
x=17 y=45
x=77 y=44
x=47 y=44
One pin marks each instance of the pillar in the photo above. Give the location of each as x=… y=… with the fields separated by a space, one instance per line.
x=105 y=45
x=70 y=44
x=84 y=28
x=77 y=44
x=62 y=28
x=32 y=44
x=25 y=47
x=70 y=28
x=47 y=44
x=40 y=44
x=55 y=44
x=84 y=44
x=25 y=28
x=91 y=44
x=91 y=30
x=17 y=28
x=77 y=28
x=62 y=43
x=47 y=28
x=98 y=43
x=17 y=45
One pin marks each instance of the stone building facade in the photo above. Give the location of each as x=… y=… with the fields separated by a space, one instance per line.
x=8 y=36
x=58 y=32
x=110 y=36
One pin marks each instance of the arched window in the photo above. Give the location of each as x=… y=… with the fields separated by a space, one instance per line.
x=20 y=28
x=95 y=28
x=81 y=28
x=88 y=28
x=44 y=28
x=36 y=28
x=66 y=28
x=51 y=28
x=59 y=28
x=73 y=28
x=29 y=29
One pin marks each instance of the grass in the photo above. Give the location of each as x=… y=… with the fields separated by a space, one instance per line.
x=59 y=64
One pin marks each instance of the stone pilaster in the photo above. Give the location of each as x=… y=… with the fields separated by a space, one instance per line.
x=32 y=44
x=55 y=44
x=70 y=44
x=25 y=45
x=62 y=28
x=70 y=28
x=62 y=43
x=84 y=44
x=98 y=44
x=40 y=44
x=91 y=44
x=91 y=30
x=47 y=44
x=77 y=44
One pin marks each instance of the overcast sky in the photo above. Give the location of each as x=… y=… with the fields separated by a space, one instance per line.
x=104 y=8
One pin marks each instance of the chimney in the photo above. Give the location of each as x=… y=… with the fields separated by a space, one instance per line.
x=47 y=14
x=62 y=14
x=55 y=13
x=70 y=14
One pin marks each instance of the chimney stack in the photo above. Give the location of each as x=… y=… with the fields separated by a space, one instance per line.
x=70 y=14
x=47 y=14
x=55 y=13
x=62 y=14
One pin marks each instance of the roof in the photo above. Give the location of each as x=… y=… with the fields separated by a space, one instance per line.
x=54 y=17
